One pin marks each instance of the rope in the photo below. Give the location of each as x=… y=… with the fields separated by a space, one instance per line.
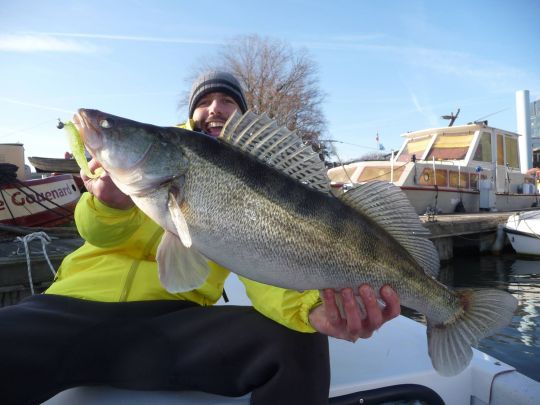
x=24 y=240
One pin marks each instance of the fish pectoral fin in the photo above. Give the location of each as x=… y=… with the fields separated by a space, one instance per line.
x=179 y=220
x=180 y=268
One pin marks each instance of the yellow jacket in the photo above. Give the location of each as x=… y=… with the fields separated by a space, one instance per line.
x=117 y=263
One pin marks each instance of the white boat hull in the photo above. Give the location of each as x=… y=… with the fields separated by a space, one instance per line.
x=396 y=357
x=523 y=231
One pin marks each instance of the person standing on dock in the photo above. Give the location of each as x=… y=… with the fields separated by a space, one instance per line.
x=106 y=319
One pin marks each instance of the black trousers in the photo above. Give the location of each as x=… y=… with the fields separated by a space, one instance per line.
x=49 y=343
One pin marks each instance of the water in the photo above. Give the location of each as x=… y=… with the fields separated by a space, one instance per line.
x=518 y=344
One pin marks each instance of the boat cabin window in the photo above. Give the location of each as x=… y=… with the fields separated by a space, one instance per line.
x=450 y=146
x=483 y=150
x=415 y=146
x=512 y=151
x=500 y=150
x=509 y=143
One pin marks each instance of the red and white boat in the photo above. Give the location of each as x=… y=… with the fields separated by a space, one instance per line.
x=36 y=202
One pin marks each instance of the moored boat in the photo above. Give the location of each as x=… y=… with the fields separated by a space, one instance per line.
x=54 y=165
x=465 y=168
x=523 y=231
x=36 y=202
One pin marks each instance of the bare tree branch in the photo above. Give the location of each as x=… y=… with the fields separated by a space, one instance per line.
x=278 y=80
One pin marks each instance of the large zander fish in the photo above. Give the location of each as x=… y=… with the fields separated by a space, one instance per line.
x=258 y=201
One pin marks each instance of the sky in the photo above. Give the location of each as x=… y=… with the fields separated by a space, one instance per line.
x=386 y=67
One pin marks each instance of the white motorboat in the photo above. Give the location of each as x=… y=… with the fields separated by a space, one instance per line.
x=464 y=168
x=393 y=365
x=523 y=231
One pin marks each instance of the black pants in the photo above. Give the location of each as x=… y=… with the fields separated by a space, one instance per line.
x=49 y=343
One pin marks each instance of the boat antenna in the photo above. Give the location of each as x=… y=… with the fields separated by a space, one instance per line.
x=451 y=117
x=489 y=115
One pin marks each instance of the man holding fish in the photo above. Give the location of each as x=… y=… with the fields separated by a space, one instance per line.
x=107 y=319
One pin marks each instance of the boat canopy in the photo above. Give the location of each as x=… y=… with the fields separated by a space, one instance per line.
x=464 y=143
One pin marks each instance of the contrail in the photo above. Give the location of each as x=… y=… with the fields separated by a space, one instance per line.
x=134 y=38
x=41 y=43
x=43 y=107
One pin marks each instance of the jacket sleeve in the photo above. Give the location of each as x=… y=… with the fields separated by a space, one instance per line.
x=103 y=226
x=290 y=308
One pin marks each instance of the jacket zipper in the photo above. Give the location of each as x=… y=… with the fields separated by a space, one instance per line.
x=135 y=265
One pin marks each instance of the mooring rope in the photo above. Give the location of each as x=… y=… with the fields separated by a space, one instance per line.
x=24 y=240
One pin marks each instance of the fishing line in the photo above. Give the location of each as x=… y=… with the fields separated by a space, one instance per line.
x=26 y=128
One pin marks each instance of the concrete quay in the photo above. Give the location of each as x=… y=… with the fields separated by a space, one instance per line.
x=466 y=230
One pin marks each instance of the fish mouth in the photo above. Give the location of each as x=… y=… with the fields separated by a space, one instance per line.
x=90 y=133
x=88 y=123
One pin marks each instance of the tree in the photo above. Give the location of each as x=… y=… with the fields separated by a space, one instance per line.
x=278 y=80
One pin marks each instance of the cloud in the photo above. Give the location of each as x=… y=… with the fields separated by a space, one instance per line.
x=42 y=43
x=493 y=75
x=425 y=111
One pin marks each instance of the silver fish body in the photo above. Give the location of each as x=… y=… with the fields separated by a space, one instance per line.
x=238 y=210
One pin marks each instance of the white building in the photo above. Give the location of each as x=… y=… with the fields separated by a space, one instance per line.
x=528 y=125
x=535 y=131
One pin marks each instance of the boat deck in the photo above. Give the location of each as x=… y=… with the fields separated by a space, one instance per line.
x=449 y=225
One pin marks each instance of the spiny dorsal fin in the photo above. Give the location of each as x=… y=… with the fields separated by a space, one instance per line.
x=276 y=146
x=389 y=207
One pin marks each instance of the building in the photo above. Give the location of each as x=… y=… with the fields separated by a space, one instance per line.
x=528 y=125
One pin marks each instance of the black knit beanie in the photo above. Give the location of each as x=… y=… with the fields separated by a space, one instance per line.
x=215 y=81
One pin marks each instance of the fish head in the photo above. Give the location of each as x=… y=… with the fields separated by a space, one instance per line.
x=138 y=156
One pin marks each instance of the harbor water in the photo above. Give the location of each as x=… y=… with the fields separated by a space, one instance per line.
x=518 y=344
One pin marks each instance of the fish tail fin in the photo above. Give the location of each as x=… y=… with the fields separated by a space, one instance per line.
x=483 y=313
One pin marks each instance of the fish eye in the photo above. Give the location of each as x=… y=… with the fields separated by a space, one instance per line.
x=106 y=124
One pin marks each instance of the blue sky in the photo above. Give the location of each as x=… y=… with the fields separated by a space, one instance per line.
x=387 y=67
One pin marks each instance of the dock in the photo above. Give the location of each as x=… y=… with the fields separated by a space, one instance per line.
x=14 y=279
x=450 y=232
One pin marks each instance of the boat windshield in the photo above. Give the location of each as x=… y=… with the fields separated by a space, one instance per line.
x=483 y=150
x=414 y=146
x=452 y=146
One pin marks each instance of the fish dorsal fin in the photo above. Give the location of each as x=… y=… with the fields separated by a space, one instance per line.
x=276 y=146
x=390 y=208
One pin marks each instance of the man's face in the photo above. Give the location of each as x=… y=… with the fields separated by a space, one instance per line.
x=212 y=111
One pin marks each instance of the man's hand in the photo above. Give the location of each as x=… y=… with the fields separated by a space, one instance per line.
x=105 y=190
x=327 y=319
